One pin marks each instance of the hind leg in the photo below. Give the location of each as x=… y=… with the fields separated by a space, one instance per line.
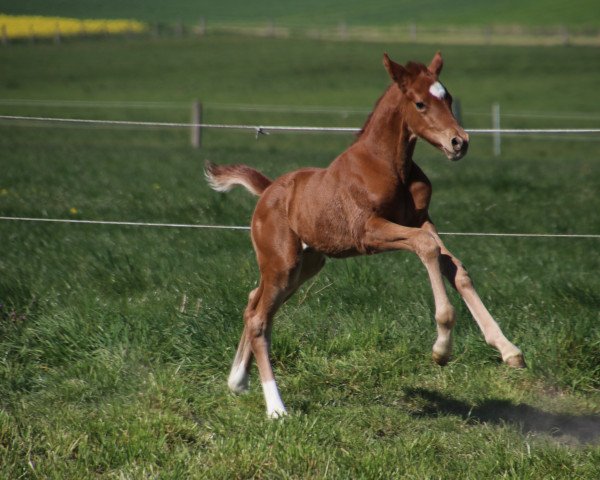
x=278 y=285
x=279 y=277
x=284 y=266
x=311 y=263
x=239 y=376
x=258 y=334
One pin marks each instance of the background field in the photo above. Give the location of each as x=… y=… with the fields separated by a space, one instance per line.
x=315 y=12
x=466 y=22
x=106 y=371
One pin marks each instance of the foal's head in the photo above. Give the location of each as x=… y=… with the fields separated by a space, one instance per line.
x=426 y=105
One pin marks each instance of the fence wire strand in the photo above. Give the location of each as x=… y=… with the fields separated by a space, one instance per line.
x=266 y=129
x=242 y=227
x=268 y=108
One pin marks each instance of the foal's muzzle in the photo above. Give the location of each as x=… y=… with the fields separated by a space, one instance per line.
x=457 y=146
x=460 y=145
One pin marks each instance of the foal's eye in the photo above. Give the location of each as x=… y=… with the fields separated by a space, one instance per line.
x=420 y=105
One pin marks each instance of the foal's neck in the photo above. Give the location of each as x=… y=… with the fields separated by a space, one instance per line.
x=387 y=136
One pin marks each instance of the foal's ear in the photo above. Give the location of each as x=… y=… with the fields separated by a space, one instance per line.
x=397 y=72
x=436 y=64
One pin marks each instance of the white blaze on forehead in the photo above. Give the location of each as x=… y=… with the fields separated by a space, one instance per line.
x=437 y=90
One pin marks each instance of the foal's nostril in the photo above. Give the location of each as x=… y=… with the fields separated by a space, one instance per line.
x=459 y=145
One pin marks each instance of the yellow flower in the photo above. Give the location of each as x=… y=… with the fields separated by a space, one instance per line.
x=23 y=26
x=73 y=211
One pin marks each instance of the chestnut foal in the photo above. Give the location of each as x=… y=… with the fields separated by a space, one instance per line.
x=373 y=198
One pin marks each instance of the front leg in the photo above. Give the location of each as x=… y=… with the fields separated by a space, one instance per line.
x=382 y=235
x=458 y=277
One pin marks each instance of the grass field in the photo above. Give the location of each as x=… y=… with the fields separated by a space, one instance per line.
x=468 y=22
x=315 y=12
x=105 y=370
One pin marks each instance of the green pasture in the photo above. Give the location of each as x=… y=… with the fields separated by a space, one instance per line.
x=115 y=342
x=331 y=12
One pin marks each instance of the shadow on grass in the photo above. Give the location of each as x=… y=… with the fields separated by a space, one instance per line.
x=563 y=428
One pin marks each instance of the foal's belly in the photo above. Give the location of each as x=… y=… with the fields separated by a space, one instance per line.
x=330 y=227
x=331 y=239
x=331 y=218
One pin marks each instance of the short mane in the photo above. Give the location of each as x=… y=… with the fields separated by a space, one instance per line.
x=414 y=69
x=369 y=118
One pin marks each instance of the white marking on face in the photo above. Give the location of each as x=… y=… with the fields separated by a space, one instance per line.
x=305 y=246
x=437 y=90
x=275 y=408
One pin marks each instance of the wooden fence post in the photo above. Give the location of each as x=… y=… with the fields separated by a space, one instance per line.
x=343 y=30
x=179 y=29
x=57 y=34
x=82 y=29
x=412 y=32
x=487 y=34
x=564 y=34
x=496 y=126
x=457 y=111
x=196 y=132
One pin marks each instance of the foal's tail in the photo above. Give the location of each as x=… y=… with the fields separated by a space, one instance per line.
x=223 y=177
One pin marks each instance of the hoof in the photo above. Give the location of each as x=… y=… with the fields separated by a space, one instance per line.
x=238 y=389
x=277 y=414
x=516 y=361
x=239 y=384
x=441 y=360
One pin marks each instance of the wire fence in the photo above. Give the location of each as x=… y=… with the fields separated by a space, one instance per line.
x=269 y=108
x=267 y=129
x=247 y=228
